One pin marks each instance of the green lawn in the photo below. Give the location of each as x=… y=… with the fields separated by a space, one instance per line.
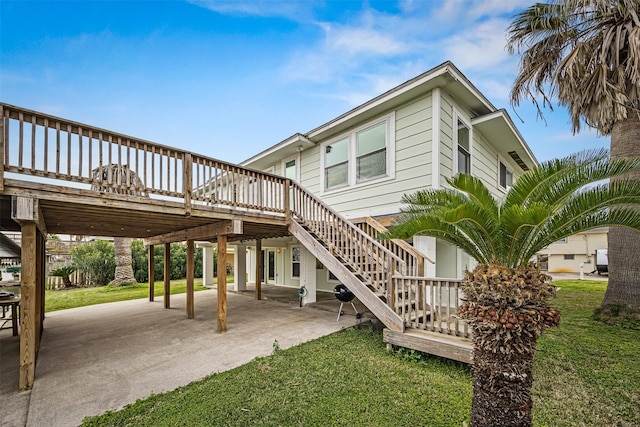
x=586 y=374
x=70 y=298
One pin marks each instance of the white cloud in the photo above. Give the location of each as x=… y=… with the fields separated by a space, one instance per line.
x=355 y=41
x=290 y=9
x=479 y=48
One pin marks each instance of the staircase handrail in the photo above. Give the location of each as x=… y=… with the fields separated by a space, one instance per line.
x=397 y=245
x=313 y=211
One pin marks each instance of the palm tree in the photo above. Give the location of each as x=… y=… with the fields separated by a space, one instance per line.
x=586 y=53
x=506 y=296
x=128 y=183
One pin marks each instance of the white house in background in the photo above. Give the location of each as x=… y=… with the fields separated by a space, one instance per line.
x=566 y=255
x=361 y=163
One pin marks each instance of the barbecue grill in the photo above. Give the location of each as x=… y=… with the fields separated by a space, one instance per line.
x=343 y=294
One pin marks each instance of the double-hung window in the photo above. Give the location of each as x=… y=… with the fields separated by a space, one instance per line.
x=336 y=167
x=464 y=148
x=506 y=177
x=363 y=155
x=371 y=152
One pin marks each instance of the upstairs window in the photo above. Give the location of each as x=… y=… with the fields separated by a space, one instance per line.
x=336 y=171
x=506 y=177
x=364 y=155
x=464 y=148
x=371 y=153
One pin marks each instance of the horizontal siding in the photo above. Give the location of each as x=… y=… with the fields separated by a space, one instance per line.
x=413 y=166
x=446 y=139
x=484 y=160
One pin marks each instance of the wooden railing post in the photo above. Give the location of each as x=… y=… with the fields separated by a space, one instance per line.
x=167 y=275
x=187 y=180
x=286 y=198
x=151 y=271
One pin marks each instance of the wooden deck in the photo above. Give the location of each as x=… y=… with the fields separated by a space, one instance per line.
x=438 y=344
x=64 y=177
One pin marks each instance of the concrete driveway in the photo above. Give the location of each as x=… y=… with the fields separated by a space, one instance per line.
x=99 y=358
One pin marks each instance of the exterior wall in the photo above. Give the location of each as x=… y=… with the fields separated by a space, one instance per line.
x=415 y=125
x=581 y=246
x=413 y=167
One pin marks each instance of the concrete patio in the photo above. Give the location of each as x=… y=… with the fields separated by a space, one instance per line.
x=101 y=357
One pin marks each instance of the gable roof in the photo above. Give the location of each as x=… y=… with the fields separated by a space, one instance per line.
x=445 y=75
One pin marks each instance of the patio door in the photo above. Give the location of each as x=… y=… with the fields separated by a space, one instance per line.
x=269 y=263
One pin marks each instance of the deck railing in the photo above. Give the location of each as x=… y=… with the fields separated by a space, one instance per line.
x=413 y=259
x=430 y=304
x=347 y=242
x=59 y=150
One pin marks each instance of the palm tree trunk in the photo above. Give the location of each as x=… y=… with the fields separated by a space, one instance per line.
x=502 y=387
x=624 y=244
x=124 y=271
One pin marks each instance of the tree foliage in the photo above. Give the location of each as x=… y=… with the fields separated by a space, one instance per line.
x=554 y=200
x=96 y=260
x=506 y=298
x=178 y=268
x=585 y=53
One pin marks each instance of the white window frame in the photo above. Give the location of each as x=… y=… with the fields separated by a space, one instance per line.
x=390 y=120
x=510 y=169
x=283 y=166
x=299 y=262
x=457 y=116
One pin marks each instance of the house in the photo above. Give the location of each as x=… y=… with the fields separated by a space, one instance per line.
x=361 y=163
x=566 y=255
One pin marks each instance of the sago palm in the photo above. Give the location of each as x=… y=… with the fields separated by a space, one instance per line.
x=506 y=297
x=586 y=55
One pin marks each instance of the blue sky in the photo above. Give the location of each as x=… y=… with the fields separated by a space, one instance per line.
x=228 y=79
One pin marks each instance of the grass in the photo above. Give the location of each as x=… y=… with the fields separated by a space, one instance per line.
x=71 y=298
x=586 y=374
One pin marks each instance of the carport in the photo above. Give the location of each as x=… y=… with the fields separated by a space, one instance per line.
x=98 y=358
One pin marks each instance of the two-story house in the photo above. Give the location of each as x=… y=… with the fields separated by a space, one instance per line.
x=361 y=163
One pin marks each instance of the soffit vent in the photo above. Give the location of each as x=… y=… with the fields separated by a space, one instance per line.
x=518 y=160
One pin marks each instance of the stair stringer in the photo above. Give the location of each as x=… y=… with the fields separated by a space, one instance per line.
x=379 y=308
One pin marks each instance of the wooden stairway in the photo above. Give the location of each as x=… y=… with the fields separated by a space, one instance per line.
x=419 y=313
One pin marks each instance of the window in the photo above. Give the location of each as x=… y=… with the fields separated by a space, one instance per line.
x=371 y=153
x=506 y=177
x=332 y=277
x=464 y=148
x=295 y=262
x=364 y=155
x=569 y=256
x=563 y=240
x=290 y=170
x=336 y=164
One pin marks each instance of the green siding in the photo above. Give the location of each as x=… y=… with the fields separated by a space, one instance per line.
x=413 y=159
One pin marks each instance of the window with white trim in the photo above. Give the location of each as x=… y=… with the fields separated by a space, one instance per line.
x=464 y=148
x=364 y=155
x=371 y=153
x=295 y=261
x=505 y=177
x=336 y=164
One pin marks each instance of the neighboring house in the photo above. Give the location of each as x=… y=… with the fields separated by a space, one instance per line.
x=361 y=163
x=566 y=255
